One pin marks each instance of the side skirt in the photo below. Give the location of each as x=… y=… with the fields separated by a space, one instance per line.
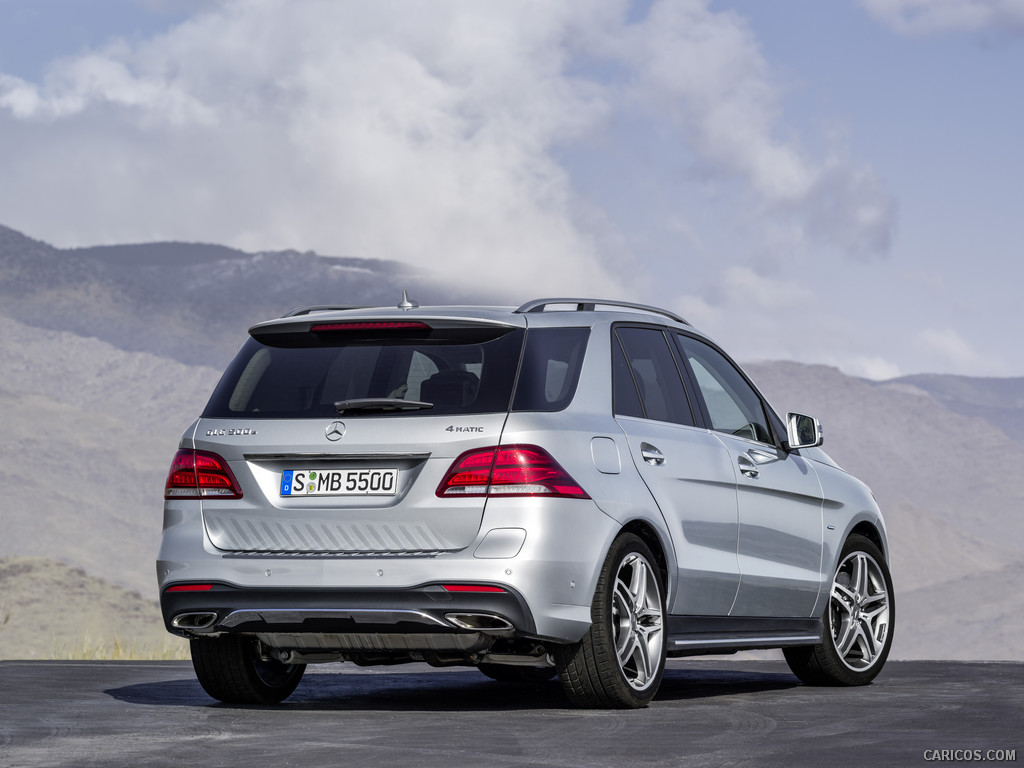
x=698 y=635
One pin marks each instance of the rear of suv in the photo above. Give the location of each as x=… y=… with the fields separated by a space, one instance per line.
x=576 y=487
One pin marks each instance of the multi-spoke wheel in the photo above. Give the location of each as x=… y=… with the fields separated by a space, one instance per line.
x=858 y=621
x=621 y=659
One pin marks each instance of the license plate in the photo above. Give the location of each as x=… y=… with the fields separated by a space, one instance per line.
x=339 y=482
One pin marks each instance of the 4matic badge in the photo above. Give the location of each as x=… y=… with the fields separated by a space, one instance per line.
x=464 y=429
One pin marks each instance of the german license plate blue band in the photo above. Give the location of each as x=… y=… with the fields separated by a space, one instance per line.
x=339 y=482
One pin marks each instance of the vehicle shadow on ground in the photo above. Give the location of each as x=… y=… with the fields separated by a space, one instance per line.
x=460 y=691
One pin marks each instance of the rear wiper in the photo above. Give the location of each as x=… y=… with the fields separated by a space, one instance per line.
x=380 y=404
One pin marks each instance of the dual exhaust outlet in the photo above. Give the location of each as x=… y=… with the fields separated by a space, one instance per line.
x=486 y=623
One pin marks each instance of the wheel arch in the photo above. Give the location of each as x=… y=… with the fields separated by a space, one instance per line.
x=650 y=536
x=870 y=532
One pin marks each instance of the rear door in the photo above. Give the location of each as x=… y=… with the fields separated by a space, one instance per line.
x=362 y=480
x=686 y=468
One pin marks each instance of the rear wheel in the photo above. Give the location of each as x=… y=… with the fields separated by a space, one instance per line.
x=859 y=621
x=619 y=663
x=232 y=670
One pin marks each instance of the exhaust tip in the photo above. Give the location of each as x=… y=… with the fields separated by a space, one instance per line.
x=195 y=622
x=480 y=622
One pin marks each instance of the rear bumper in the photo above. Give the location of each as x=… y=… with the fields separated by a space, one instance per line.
x=549 y=578
x=425 y=610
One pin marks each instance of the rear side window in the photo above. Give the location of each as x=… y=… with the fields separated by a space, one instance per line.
x=552 y=361
x=649 y=367
x=293 y=379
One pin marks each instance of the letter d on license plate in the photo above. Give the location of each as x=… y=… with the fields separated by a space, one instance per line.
x=339 y=482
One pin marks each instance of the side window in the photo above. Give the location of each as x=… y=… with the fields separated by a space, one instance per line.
x=550 y=370
x=653 y=368
x=733 y=406
x=626 y=401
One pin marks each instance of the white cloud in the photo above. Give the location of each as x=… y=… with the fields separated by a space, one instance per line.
x=745 y=286
x=755 y=316
x=704 y=72
x=915 y=17
x=416 y=131
x=950 y=351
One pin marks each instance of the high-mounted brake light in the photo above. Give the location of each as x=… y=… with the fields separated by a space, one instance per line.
x=200 y=474
x=406 y=325
x=509 y=470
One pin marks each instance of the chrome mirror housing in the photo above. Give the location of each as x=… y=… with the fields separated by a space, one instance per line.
x=803 y=431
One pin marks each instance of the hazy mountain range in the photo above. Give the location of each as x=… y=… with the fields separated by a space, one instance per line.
x=108 y=353
x=190 y=302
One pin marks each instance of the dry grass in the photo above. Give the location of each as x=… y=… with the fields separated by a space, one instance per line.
x=94 y=649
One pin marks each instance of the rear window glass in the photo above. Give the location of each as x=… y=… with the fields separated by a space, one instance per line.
x=551 y=368
x=457 y=375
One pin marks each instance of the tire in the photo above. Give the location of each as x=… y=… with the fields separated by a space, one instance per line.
x=230 y=669
x=506 y=673
x=859 y=621
x=619 y=663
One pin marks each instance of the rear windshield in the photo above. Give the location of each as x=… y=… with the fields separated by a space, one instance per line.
x=457 y=375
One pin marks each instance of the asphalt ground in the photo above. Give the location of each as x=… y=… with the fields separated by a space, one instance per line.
x=708 y=713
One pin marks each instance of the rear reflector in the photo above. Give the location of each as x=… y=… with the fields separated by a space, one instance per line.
x=470 y=588
x=200 y=474
x=405 y=325
x=190 y=588
x=509 y=470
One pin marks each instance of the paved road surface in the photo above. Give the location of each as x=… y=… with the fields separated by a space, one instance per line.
x=708 y=713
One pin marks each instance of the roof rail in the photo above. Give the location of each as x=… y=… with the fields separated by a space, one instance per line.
x=323 y=308
x=589 y=305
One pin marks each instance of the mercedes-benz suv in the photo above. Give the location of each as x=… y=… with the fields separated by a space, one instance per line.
x=576 y=487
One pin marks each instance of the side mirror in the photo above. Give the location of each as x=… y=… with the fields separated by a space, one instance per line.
x=804 y=431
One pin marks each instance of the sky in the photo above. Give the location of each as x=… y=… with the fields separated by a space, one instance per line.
x=829 y=182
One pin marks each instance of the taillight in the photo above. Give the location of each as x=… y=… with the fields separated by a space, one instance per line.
x=200 y=474
x=509 y=470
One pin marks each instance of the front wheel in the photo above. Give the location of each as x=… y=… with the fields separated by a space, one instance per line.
x=619 y=663
x=231 y=669
x=859 y=621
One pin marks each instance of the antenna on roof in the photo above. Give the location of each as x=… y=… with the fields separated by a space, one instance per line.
x=406 y=303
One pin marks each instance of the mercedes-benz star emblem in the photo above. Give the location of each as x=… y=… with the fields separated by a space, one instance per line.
x=335 y=430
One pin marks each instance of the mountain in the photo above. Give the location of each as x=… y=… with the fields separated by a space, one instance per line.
x=51 y=610
x=999 y=401
x=191 y=302
x=89 y=432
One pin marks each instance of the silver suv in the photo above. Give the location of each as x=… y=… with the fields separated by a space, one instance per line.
x=577 y=487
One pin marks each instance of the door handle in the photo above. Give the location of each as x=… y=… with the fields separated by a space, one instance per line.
x=748 y=467
x=651 y=454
